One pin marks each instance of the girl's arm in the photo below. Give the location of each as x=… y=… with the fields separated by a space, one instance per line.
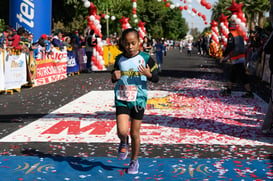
x=116 y=74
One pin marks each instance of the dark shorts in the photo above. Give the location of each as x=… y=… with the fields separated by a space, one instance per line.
x=238 y=73
x=136 y=112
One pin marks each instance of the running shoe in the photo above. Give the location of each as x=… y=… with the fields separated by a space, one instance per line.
x=133 y=167
x=123 y=150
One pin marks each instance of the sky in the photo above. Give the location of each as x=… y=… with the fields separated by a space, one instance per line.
x=196 y=21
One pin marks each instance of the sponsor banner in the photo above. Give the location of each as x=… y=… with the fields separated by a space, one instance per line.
x=170 y=118
x=51 y=67
x=15 y=70
x=34 y=16
x=2 y=77
x=72 y=62
x=46 y=166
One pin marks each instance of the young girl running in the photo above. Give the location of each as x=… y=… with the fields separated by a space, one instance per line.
x=131 y=71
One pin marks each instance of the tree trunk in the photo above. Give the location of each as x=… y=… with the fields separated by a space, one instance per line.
x=261 y=20
x=271 y=12
x=252 y=23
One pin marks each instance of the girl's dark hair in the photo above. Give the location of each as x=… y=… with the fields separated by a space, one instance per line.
x=123 y=35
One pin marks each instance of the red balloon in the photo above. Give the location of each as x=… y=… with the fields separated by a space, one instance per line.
x=185 y=7
x=194 y=10
x=199 y=14
x=203 y=2
x=97 y=17
x=208 y=6
x=206 y=23
x=181 y=8
x=165 y=0
x=168 y=5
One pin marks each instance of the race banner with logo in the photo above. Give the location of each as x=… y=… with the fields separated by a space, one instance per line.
x=2 y=79
x=15 y=71
x=51 y=67
x=72 y=62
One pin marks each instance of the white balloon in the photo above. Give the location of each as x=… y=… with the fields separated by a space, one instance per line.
x=222 y=24
x=87 y=4
x=100 y=44
x=172 y=6
x=177 y=5
x=106 y=16
x=99 y=26
x=113 y=18
x=134 y=15
x=234 y=17
x=99 y=58
x=84 y=0
x=159 y=0
x=92 y=18
x=238 y=21
x=136 y=20
x=198 y=1
x=96 y=22
x=134 y=4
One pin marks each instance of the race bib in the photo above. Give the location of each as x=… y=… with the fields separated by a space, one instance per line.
x=127 y=93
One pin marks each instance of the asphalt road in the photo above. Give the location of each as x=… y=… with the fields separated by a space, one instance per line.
x=191 y=133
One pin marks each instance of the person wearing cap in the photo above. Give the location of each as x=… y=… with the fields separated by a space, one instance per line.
x=235 y=52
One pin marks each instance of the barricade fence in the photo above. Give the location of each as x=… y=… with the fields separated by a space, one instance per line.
x=40 y=67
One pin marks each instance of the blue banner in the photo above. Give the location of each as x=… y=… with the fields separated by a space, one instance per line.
x=34 y=16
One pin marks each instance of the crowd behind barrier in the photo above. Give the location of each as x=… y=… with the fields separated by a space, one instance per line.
x=54 y=57
x=49 y=59
x=257 y=61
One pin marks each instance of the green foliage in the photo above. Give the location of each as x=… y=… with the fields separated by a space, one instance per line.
x=2 y=25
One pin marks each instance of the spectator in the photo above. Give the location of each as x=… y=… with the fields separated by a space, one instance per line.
x=4 y=37
x=17 y=38
x=146 y=45
x=89 y=44
x=235 y=52
x=189 y=48
x=159 y=49
x=57 y=40
x=267 y=127
x=67 y=43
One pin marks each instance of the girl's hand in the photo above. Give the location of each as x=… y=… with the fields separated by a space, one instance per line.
x=145 y=71
x=116 y=75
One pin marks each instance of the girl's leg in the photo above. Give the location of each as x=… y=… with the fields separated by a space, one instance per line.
x=135 y=137
x=123 y=127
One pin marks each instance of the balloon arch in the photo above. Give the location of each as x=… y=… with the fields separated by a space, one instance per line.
x=184 y=5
